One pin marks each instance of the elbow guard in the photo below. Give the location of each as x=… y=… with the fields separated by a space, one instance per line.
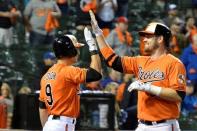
x=181 y=94
x=42 y=105
x=116 y=64
x=92 y=75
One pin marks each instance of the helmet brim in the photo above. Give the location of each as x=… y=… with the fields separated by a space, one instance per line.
x=142 y=33
x=78 y=45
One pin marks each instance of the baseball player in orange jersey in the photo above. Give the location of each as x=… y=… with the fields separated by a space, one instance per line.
x=59 y=100
x=160 y=77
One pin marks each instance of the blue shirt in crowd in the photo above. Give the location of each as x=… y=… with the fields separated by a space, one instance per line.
x=189 y=59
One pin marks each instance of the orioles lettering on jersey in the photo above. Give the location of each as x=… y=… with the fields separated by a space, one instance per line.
x=151 y=75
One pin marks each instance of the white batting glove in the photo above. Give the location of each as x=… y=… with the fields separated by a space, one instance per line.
x=96 y=29
x=147 y=87
x=90 y=40
x=138 y=85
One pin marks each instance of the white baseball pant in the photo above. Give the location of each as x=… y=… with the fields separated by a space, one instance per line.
x=62 y=123
x=169 y=125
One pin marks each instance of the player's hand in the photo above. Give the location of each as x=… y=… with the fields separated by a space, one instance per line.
x=90 y=40
x=97 y=31
x=140 y=86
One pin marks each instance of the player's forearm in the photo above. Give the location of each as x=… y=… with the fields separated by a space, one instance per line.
x=4 y=14
x=164 y=93
x=101 y=41
x=96 y=62
x=169 y=94
x=43 y=116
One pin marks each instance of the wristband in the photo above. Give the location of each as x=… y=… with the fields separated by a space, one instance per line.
x=94 y=52
x=156 y=90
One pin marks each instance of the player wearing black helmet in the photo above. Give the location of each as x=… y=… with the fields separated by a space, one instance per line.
x=59 y=100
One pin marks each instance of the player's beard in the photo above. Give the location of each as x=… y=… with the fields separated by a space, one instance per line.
x=150 y=47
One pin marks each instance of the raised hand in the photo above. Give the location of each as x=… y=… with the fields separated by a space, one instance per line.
x=90 y=40
x=97 y=31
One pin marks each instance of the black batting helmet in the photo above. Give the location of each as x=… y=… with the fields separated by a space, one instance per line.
x=158 y=29
x=63 y=46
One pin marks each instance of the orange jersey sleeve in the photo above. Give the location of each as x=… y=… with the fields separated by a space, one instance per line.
x=177 y=76
x=75 y=74
x=60 y=88
x=131 y=62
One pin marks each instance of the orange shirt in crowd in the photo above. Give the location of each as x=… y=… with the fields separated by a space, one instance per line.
x=51 y=22
x=120 y=92
x=124 y=38
x=192 y=33
x=175 y=46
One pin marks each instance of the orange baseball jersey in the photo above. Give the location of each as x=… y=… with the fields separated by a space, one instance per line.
x=59 y=88
x=166 y=72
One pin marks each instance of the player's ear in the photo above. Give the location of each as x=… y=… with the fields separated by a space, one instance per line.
x=160 y=39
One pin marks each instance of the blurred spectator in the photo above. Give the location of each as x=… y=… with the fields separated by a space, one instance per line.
x=189 y=59
x=122 y=8
x=41 y=22
x=24 y=90
x=8 y=18
x=172 y=14
x=189 y=103
x=25 y=2
x=190 y=28
x=194 y=4
x=92 y=86
x=127 y=78
x=120 y=39
x=82 y=7
x=106 y=10
x=63 y=5
x=49 y=59
x=6 y=106
x=68 y=13
x=128 y=103
x=178 y=40
x=112 y=88
x=114 y=76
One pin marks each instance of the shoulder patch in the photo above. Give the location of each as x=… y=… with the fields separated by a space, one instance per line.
x=181 y=79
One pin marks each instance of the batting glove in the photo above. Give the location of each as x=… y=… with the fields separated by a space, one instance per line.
x=147 y=87
x=137 y=85
x=90 y=40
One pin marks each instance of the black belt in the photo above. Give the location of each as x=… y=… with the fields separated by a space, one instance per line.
x=56 y=117
x=151 y=122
